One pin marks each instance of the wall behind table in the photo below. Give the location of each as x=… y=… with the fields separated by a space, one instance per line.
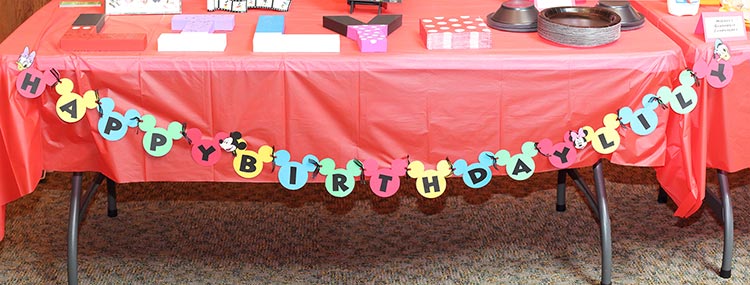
x=14 y=12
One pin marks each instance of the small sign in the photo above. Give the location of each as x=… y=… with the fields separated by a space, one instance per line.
x=117 y=7
x=80 y=4
x=727 y=26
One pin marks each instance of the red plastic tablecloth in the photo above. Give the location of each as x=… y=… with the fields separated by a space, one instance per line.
x=428 y=105
x=716 y=134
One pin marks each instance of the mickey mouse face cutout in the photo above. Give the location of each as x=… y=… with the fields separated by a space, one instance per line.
x=384 y=182
x=112 y=125
x=560 y=155
x=606 y=139
x=248 y=163
x=232 y=143
x=292 y=174
x=71 y=107
x=158 y=141
x=205 y=152
x=643 y=121
x=476 y=175
x=339 y=182
x=520 y=166
x=430 y=183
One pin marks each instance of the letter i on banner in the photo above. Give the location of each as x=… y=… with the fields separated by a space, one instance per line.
x=293 y=174
x=643 y=121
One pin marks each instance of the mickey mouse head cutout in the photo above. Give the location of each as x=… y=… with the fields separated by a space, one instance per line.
x=580 y=138
x=71 y=107
x=340 y=182
x=292 y=174
x=158 y=141
x=384 y=182
x=232 y=143
x=520 y=166
x=112 y=125
x=643 y=121
x=430 y=183
x=606 y=139
x=476 y=175
x=683 y=98
x=248 y=163
x=204 y=151
x=560 y=155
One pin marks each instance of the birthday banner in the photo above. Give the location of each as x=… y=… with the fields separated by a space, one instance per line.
x=341 y=177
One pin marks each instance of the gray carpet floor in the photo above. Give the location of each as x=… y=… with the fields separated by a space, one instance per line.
x=252 y=233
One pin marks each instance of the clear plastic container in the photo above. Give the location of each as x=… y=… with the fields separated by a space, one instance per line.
x=683 y=7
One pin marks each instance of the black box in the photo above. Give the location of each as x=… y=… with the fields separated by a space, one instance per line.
x=89 y=20
x=338 y=24
x=392 y=21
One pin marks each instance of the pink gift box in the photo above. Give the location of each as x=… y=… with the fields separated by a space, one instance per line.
x=370 y=38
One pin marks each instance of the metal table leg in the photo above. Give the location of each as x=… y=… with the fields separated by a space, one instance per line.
x=723 y=211
x=604 y=224
x=77 y=213
x=598 y=206
x=75 y=199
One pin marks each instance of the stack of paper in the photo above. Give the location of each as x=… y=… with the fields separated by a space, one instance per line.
x=464 y=32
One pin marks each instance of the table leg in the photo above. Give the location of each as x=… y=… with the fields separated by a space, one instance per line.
x=75 y=200
x=728 y=217
x=88 y=196
x=77 y=213
x=573 y=173
x=604 y=224
x=600 y=211
x=111 y=198
x=662 y=196
x=723 y=211
x=561 y=174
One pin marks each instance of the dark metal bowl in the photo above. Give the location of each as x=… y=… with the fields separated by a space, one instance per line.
x=631 y=19
x=516 y=12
